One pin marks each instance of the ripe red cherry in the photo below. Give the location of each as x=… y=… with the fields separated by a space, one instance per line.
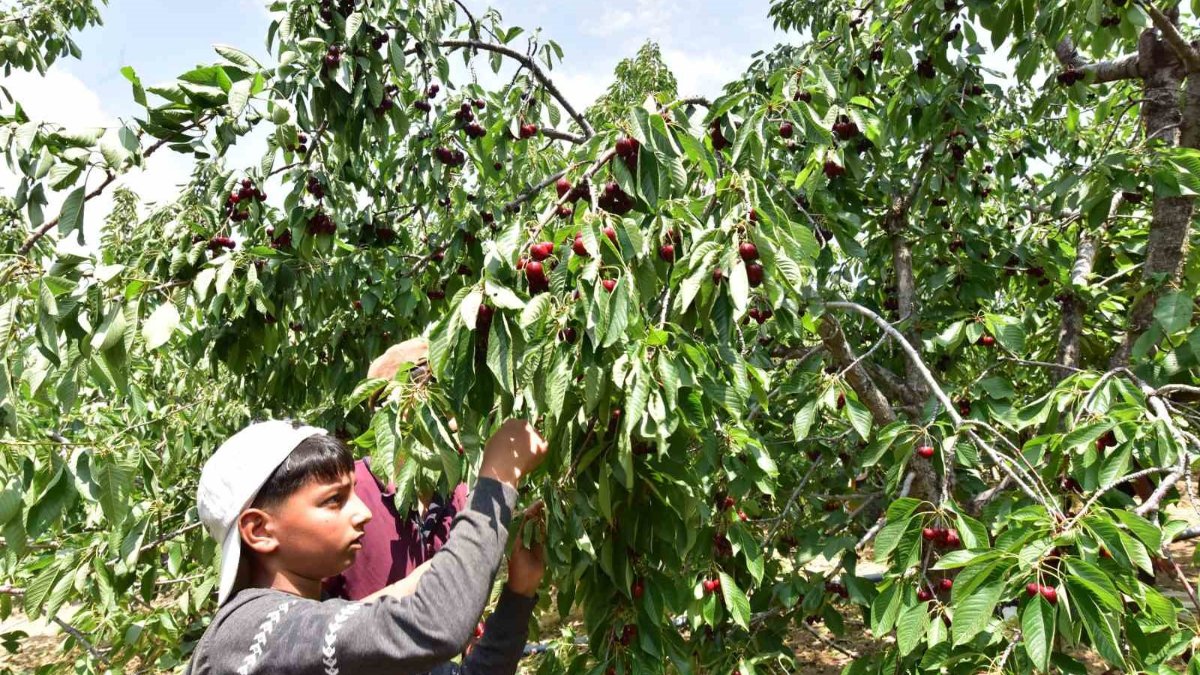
x=562 y=187
x=717 y=276
x=987 y=340
x=742 y=516
x=667 y=252
x=928 y=534
x=925 y=451
x=832 y=169
x=952 y=539
x=578 y=246
x=924 y=595
x=945 y=584
x=753 y=216
x=609 y=284
x=748 y=251
x=1050 y=594
x=610 y=233
x=785 y=130
x=624 y=146
x=484 y=316
x=1032 y=589
x=541 y=250
x=638 y=590
x=534 y=272
x=712 y=585
x=754 y=272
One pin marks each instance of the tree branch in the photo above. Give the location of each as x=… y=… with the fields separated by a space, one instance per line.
x=1170 y=32
x=843 y=355
x=46 y=227
x=1026 y=482
x=1071 y=325
x=1121 y=68
x=534 y=68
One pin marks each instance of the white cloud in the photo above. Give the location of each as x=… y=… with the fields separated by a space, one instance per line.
x=609 y=22
x=703 y=73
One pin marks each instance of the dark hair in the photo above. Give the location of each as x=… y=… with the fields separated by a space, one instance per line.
x=320 y=457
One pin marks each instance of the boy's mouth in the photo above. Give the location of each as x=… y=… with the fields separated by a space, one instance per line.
x=358 y=542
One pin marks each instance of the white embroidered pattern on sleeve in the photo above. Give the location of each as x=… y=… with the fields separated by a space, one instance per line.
x=329 y=648
x=260 y=640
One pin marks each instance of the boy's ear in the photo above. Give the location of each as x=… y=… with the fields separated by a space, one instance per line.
x=257 y=530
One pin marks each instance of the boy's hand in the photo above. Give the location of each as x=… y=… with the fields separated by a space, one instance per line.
x=526 y=566
x=515 y=450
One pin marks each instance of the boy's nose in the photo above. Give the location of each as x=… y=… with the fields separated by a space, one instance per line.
x=361 y=514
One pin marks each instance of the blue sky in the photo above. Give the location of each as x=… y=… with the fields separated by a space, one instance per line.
x=705 y=42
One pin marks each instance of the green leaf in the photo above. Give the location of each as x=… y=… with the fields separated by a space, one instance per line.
x=38 y=590
x=1173 y=312
x=860 y=417
x=1086 y=575
x=911 y=627
x=735 y=601
x=888 y=537
x=468 y=309
x=1037 y=631
x=1103 y=627
x=71 y=216
x=804 y=420
x=161 y=324
x=237 y=57
x=972 y=612
x=239 y=96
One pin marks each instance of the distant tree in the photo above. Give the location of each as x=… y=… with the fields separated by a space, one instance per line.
x=636 y=78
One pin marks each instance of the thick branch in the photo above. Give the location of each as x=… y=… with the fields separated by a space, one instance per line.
x=1171 y=216
x=1121 y=68
x=1170 y=32
x=843 y=356
x=534 y=68
x=896 y=225
x=1071 y=326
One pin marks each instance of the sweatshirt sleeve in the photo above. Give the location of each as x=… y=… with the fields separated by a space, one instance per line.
x=499 y=651
x=414 y=634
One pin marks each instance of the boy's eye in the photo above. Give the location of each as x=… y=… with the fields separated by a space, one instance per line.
x=334 y=500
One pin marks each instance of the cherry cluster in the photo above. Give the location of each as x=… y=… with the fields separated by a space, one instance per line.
x=333 y=56
x=833 y=170
x=453 y=158
x=321 y=223
x=344 y=7
x=315 y=188
x=238 y=200
x=301 y=144
x=219 y=243
x=627 y=149
x=283 y=241
x=528 y=130
x=845 y=128
x=615 y=200
x=941 y=536
x=388 y=101
x=925 y=68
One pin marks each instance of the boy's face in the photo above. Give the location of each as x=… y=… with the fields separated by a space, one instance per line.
x=319 y=528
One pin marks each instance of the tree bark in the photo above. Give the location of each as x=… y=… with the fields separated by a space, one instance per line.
x=1071 y=326
x=1162 y=75
x=843 y=355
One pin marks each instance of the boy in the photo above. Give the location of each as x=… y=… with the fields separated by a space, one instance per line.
x=281 y=501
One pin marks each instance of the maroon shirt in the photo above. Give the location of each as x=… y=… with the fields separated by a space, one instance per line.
x=393 y=545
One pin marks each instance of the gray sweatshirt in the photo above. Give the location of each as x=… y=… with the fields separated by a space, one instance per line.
x=262 y=630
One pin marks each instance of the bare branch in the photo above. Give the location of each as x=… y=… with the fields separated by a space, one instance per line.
x=843 y=355
x=1170 y=32
x=538 y=74
x=1121 y=68
x=790 y=503
x=81 y=638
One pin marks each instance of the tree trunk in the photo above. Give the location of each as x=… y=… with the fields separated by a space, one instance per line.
x=1162 y=75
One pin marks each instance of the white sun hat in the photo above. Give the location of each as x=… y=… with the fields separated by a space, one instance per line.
x=232 y=477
